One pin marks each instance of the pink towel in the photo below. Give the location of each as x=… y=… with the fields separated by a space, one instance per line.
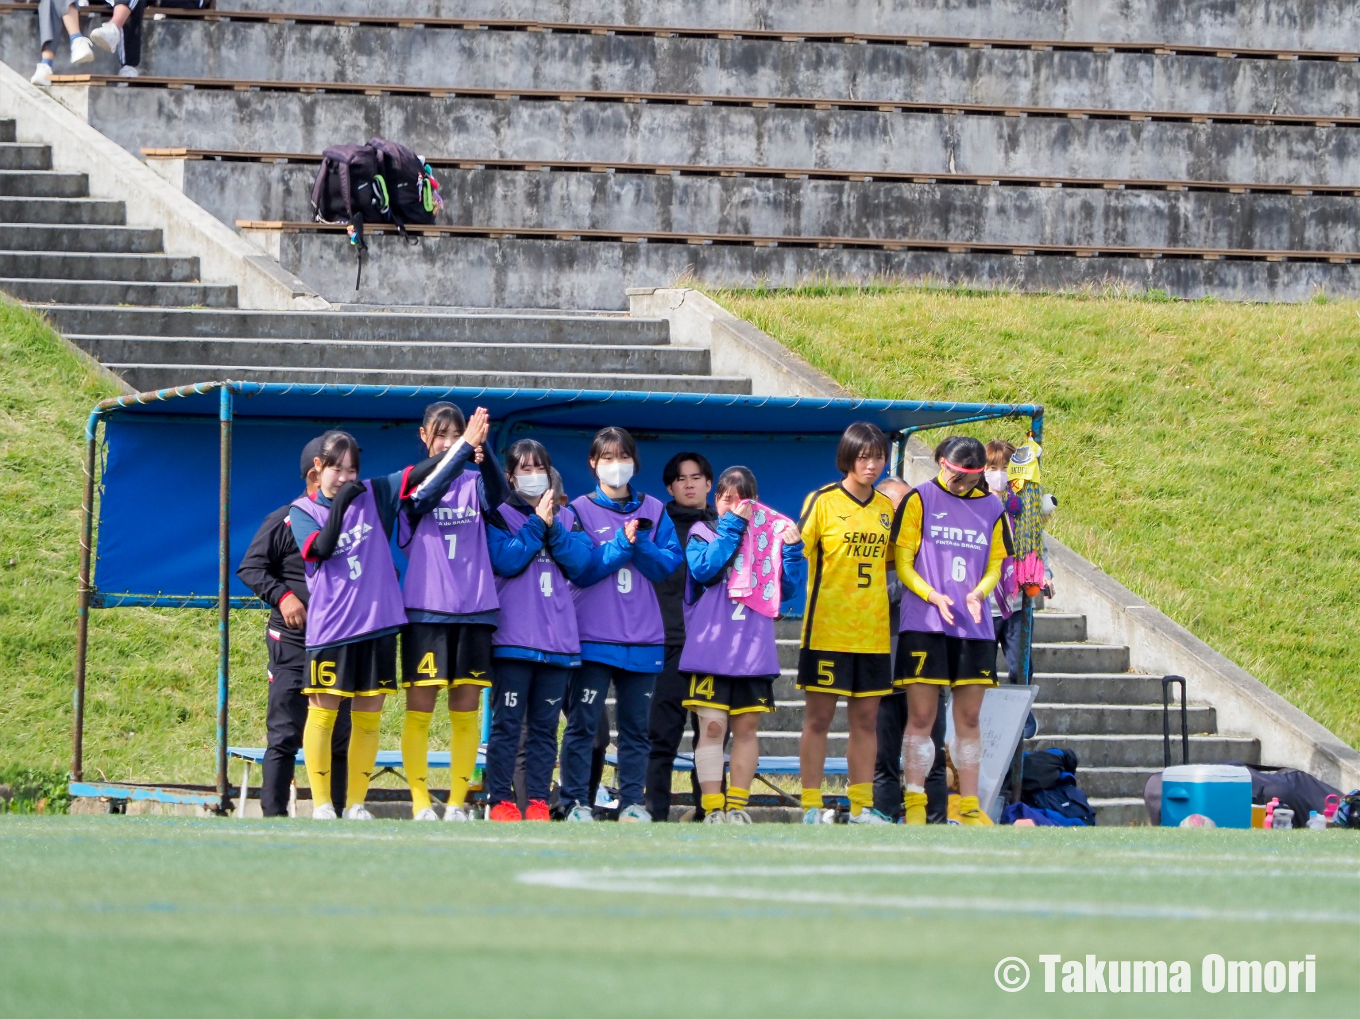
x=754 y=580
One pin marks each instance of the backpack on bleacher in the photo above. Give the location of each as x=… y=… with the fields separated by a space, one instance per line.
x=411 y=186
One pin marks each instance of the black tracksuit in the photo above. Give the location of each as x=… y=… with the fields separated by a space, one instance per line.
x=272 y=568
x=668 y=718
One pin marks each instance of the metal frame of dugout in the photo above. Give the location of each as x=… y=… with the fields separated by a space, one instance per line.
x=773 y=434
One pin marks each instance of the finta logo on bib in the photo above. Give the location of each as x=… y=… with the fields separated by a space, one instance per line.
x=454 y=514
x=350 y=539
x=960 y=536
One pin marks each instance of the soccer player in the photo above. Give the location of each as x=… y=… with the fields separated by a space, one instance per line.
x=450 y=597
x=688 y=477
x=622 y=636
x=730 y=655
x=273 y=569
x=845 y=645
x=949 y=543
x=535 y=552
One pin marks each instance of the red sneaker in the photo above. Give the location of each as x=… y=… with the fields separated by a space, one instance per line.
x=506 y=810
x=537 y=811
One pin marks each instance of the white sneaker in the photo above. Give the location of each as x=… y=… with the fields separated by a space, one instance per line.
x=81 y=51
x=107 y=37
x=128 y=71
x=738 y=817
x=427 y=814
x=870 y=816
x=43 y=75
x=813 y=815
x=325 y=812
x=580 y=812
x=456 y=814
x=358 y=812
x=712 y=817
x=636 y=814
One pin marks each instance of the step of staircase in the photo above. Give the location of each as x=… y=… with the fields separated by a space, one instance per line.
x=77 y=265
x=60 y=237
x=43 y=184
x=70 y=211
x=14 y=156
x=120 y=292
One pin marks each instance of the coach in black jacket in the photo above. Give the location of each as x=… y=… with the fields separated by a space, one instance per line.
x=272 y=568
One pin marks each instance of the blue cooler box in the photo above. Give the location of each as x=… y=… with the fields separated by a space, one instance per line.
x=1221 y=792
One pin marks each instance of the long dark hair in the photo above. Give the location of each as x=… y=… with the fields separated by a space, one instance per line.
x=441 y=418
x=530 y=450
x=334 y=446
x=963 y=451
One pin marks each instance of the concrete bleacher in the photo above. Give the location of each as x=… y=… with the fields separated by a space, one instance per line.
x=1039 y=149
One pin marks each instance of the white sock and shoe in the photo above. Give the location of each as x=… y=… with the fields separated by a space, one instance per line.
x=870 y=815
x=81 y=51
x=715 y=817
x=635 y=813
x=358 y=812
x=43 y=74
x=325 y=812
x=456 y=814
x=738 y=817
x=427 y=814
x=128 y=71
x=107 y=37
x=581 y=812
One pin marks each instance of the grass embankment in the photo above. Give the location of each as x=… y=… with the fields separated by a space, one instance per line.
x=1202 y=453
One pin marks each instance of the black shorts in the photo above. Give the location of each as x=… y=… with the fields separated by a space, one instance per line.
x=446 y=654
x=288 y=666
x=737 y=695
x=941 y=660
x=354 y=670
x=846 y=673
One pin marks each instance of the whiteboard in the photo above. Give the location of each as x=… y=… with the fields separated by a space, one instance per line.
x=1001 y=721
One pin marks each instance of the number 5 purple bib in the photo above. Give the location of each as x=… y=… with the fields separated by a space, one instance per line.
x=354 y=592
x=622 y=608
x=724 y=637
x=956 y=541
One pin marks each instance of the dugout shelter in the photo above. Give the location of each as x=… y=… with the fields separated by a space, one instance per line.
x=177 y=481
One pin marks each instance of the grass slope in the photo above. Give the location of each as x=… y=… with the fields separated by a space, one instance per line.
x=156 y=916
x=1202 y=452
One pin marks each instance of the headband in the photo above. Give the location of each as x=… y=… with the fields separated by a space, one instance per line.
x=961 y=470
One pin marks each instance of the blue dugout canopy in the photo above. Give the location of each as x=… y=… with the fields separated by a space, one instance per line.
x=158 y=516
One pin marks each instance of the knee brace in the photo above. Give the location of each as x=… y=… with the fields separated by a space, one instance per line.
x=918 y=754
x=967 y=754
x=708 y=762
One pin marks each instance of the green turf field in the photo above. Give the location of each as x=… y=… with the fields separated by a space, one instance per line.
x=156 y=916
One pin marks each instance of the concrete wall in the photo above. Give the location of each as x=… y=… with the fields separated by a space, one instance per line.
x=430 y=57
x=813 y=208
x=1288 y=24
x=525 y=273
x=605 y=132
x=224 y=258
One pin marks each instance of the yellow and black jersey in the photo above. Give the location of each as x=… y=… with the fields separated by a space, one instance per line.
x=846 y=542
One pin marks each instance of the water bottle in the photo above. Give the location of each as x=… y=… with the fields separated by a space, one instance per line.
x=1316 y=821
x=1284 y=818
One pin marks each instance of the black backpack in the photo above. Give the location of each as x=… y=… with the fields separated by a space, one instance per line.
x=380 y=182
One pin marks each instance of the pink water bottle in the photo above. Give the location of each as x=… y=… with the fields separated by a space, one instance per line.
x=1270 y=812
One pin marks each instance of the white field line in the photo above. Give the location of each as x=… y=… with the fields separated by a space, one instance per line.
x=661 y=882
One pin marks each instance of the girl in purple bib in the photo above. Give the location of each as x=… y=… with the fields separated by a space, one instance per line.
x=622 y=635
x=730 y=655
x=535 y=553
x=355 y=609
x=450 y=596
x=950 y=541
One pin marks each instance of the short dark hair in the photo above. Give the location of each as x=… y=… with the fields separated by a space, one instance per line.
x=334 y=446
x=860 y=438
x=672 y=469
x=738 y=480
x=442 y=417
x=530 y=450
x=614 y=440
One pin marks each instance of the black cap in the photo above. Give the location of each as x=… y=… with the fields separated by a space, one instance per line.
x=309 y=454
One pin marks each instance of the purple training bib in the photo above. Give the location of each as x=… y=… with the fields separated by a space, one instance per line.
x=354 y=592
x=622 y=608
x=724 y=637
x=450 y=567
x=537 y=610
x=956 y=542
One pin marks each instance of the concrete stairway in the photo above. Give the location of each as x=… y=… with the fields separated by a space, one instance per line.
x=111 y=290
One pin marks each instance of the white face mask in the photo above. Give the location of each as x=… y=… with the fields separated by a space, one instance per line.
x=615 y=474
x=996 y=480
x=532 y=486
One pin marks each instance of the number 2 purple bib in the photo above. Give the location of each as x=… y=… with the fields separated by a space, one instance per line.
x=622 y=608
x=724 y=637
x=956 y=542
x=354 y=592
x=450 y=568
x=537 y=610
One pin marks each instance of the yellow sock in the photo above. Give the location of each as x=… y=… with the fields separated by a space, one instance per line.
x=737 y=798
x=316 y=747
x=462 y=754
x=971 y=813
x=415 y=757
x=861 y=796
x=363 y=751
x=812 y=798
x=916 y=807
x=711 y=802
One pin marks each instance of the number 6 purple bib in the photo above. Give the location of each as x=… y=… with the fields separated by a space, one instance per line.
x=956 y=541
